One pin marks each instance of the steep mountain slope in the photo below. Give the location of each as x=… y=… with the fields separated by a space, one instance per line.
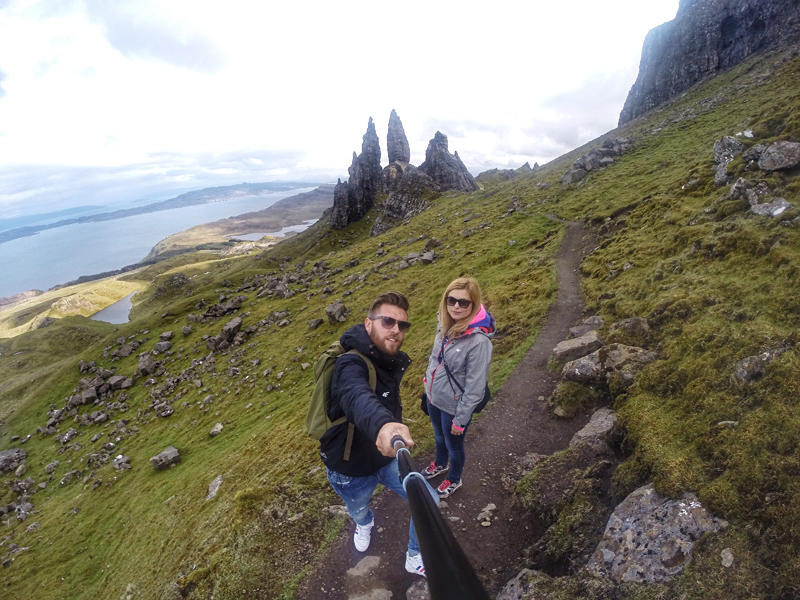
x=717 y=282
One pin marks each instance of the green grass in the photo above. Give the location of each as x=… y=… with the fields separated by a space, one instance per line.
x=716 y=283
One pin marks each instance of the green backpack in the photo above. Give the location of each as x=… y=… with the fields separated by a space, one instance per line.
x=317 y=421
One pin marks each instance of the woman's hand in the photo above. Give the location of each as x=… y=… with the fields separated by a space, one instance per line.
x=455 y=430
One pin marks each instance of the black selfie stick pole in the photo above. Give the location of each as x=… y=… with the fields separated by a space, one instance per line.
x=450 y=575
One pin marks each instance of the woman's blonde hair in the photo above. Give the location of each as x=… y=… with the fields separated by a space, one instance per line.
x=449 y=326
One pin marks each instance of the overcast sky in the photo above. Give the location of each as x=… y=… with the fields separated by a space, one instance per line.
x=105 y=101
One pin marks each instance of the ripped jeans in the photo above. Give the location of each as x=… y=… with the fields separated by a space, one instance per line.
x=357 y=491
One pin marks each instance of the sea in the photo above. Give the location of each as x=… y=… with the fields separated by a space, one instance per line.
x=56 y=256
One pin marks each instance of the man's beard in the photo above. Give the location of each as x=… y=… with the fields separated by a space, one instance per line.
x=380 y=344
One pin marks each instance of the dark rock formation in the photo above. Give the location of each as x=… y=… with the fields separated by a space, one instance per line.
x=446 y=169
x=408 y=199
x=396 y=142
x=353 y=198
x=706 y=37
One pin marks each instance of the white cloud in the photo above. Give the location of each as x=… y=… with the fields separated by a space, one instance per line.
x=106 y=100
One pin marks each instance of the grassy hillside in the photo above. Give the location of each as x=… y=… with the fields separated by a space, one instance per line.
x=717 y=283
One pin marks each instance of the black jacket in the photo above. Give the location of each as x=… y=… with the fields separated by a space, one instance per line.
x=352 y=397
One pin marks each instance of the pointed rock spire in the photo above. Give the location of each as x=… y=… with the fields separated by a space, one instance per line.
x=446 y=169
x=352 y=199
x=396 y=142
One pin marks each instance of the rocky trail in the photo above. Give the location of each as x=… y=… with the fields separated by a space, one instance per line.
x=515 y=423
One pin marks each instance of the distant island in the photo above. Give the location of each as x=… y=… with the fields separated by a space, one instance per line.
x=204 y=196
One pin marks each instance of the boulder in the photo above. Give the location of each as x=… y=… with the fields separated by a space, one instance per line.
x=596 y=431
x=51 y=467
x=121 y=462
x=118 y=382
x=578 y=347
x=337 y=313
x=186 y=330
x=573 y=176
x=593 y=323
x=216 y=430
x=587 y=370
x=231 y=328
x=726 y=149
x=170 y=456
x=11 y=459
x=315 y=323
x=162 y=346
x=650 y=538
x=147 y=366
x=165 y=337
x=780 y=155
x=771 y=209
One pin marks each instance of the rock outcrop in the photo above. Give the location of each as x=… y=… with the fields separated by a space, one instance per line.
x=396 y=141
x=706 y=37
x=446 y=169
x=410 y=197
x=353 y=198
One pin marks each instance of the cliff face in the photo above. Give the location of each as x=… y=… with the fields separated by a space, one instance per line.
x=706 y=36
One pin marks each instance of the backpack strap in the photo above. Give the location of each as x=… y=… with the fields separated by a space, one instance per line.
x=373 y=383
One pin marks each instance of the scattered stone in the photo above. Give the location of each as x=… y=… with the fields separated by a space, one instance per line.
x=727 y=558
x=365 y=566
x=595 y=432
x=650 y=538
x=121 y=462
x=578 y=347
x=315 y=323
x=11 y=459
x=216 y=430
x=213 y=488
x=418 y=590
x=51 y=467
x=780 y=155
x=170 y=456
x=337 y=313
x=336 y=509
x=593 y=323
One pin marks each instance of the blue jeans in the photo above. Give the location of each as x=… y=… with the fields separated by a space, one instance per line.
x=447 y=444
x=357 y=491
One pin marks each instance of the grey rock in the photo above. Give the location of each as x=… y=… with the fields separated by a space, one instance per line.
x=396 y=141
x=650 y=538
x=587 y=370
x=573 y=176
x=162 y=346
x=780 y=155
x=446 y=169
x=213 y=488
x=186 y=330
x=216 y=430
x=752 y=368
x=704 y=39
x=337 y=313
x=522 y=585
x=165 y=459
x=595 y=432
x=418 y=590
x=147 y=366
x=118 y=382
x=726 y=558
x=51 y=467
x=121 y=462
x=315 y=323
x=407 y=198
x=578 y=347
x=726 y=149
x=771 y=209
x=365 y=566
x=165 y=337
x=592 y=323
x=11 y=459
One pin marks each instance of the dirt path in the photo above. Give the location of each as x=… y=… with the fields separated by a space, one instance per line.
x=515 y=423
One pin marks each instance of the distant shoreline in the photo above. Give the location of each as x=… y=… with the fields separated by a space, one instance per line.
x=204 y=196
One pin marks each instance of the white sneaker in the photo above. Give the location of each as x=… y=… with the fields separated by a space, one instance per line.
x=414 y=564
x=363 y=535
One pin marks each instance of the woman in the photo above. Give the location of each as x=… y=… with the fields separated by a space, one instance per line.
x=455 y=381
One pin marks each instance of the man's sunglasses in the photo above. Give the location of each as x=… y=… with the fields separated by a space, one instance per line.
x=462 y=302
x=389 y=322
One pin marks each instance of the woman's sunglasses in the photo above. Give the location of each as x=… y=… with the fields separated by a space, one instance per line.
x=389 y=322
x=462 y=302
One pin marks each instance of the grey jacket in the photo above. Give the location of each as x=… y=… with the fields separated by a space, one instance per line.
x=467 y=357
